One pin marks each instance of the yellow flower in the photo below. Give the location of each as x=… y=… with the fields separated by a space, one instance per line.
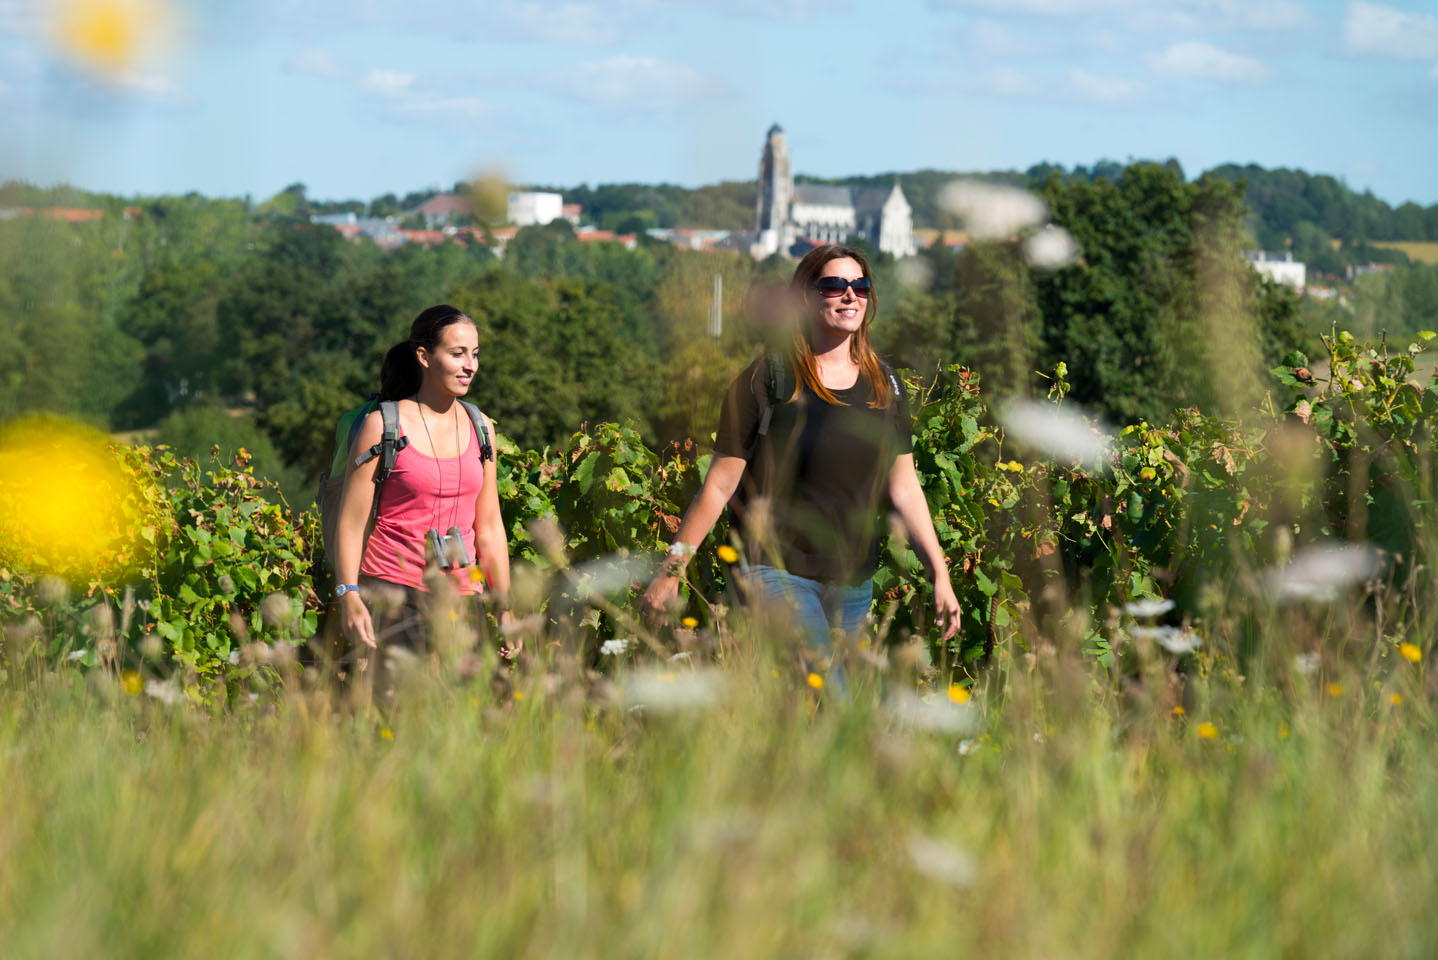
x=690 y=622
x=1178 y=711
x=959 y=693
x=1207 y=731
x=1396 y=699
x=130 y=680
x=816 y=681
x=728 y=554
x=1410 y=652
x=386 y=733
x=519 y=695
x=476 y=575
x=1335 y=689
x=1283 y=731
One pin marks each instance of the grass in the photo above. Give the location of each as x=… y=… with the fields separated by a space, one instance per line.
x=1275 y=813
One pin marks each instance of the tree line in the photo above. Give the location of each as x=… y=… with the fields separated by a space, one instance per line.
x=214 y=321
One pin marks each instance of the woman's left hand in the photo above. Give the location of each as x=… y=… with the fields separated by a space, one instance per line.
x=946 y=607
x=509 y=650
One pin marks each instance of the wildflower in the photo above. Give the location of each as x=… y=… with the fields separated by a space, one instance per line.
x=1051 y=248
x=690 y=622
x=1147 y=609
x=942 y=861
x=277 y=611
x=1178 y=711
x=51 y=591
x=1410 y=652
x=386 y=733
x=518 y=695
x=608 y=575
x=959 y=693
x=1335 y=689
x=670 y=692
x=967 y=747
x=681 y=655
x=1172 y=639
x=130 y=681
x=167 y=693
x=1283 y=731
x=1307 y=663
x=728 y=554
x=1060 y=432
x=1396 y=699
x=75 y=655
x=936 y=716
x=1319 y=572
x=616 y=647
x=993 y=211
x=1207 y=731
x=816 y=681
x=476 y=575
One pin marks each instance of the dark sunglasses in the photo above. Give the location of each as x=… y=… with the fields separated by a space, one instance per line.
x=835 y=286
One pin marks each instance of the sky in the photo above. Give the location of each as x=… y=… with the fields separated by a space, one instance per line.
x=356 y=98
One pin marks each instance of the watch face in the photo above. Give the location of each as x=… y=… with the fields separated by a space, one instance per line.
x=342 y=589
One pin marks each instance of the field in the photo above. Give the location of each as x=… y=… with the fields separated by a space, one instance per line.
x=737 y=813
x=1425 y=252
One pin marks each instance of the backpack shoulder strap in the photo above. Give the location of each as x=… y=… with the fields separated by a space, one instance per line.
x=765 y=386
x=481 y=430
x=390 y=442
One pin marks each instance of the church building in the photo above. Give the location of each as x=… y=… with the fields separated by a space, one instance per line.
x=786 y=214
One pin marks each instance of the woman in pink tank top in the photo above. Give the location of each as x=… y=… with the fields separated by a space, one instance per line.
x=441 y=480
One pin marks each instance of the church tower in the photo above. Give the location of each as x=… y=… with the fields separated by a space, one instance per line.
x=776 y=192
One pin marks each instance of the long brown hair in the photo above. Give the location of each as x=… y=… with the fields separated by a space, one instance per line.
x=806 y=372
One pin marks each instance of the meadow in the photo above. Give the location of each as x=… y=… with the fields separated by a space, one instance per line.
x=723 y=806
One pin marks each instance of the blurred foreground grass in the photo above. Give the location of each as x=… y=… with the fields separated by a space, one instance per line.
x=1056 y=813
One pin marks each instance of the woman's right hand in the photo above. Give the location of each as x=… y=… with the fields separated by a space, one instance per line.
x=354 y=615
x=660 y=596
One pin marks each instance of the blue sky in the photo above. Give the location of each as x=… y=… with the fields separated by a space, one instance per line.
x=360 y=97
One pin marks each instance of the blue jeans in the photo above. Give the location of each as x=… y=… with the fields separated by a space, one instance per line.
x=819 y=606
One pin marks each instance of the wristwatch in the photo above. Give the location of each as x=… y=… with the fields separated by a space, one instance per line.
x=344 y=588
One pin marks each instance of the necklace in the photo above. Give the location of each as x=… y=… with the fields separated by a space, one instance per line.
x=434 y=452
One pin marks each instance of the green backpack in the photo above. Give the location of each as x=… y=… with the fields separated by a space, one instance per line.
x=331 y=492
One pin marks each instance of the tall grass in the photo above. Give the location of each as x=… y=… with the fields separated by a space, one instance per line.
x=1060 y=812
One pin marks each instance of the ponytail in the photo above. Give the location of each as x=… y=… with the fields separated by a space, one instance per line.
x=400 y=375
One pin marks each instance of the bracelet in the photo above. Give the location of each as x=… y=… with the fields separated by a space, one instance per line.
x=676 y=559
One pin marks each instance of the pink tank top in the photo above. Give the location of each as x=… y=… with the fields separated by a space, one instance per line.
x=421 y=493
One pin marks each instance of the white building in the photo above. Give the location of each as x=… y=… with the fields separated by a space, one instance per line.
x=526 y=209
x=1280 y=267
x=785 y=214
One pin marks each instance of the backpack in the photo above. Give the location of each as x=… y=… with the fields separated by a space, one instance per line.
x=332 y=481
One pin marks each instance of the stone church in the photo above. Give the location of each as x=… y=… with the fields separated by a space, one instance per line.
x=786 y=214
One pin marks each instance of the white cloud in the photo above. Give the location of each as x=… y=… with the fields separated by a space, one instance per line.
x=389 y=84
x=567 y=23
x=1387 y=33
x=1006 y=82
x=1194 y=59
x=314 y=62
x=401 y=95
x=1186 y=16
x=635 y=81
x=1089 y=86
